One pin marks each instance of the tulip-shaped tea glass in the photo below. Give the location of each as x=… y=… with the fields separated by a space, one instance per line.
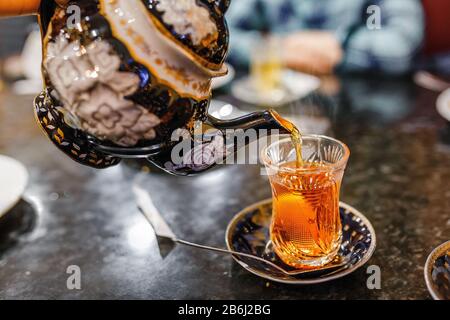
x=306 y=229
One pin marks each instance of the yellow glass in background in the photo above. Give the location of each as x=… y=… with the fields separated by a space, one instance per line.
x=266 y=65
x=2 y=83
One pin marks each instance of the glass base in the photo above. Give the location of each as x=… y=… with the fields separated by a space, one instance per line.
x=307 y=263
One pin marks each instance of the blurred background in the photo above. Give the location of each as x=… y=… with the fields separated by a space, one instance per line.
x=372 y=73
x=268 y=37
x=318 y=37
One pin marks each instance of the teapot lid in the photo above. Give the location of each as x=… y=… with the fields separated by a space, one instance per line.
x=196 y=27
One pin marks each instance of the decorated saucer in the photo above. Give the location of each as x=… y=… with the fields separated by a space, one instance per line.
x=248 y=232
x=437 y=272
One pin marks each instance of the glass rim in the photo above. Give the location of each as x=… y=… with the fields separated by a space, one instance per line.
x=277 y=168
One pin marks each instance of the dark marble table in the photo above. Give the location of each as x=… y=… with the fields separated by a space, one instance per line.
x=398 y=176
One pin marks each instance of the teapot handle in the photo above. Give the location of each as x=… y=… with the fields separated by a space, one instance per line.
x=10 y=8
x=72 y=142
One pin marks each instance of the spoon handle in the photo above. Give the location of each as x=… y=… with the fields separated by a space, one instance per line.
x=250 y=256
x=338 y=267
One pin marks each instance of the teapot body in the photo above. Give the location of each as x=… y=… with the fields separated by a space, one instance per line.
x=132 y=79
x=122 y=75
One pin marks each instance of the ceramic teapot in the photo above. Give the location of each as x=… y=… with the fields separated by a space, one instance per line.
x=122 y=76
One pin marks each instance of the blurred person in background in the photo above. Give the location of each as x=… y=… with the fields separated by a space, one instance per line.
x=13 y=33
x=436 y=51
x=324 y=36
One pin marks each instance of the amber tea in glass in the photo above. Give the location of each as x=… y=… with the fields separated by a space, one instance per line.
x=306 y=229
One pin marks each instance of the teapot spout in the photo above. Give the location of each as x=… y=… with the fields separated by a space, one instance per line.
x=266 y=120
x=223 y=138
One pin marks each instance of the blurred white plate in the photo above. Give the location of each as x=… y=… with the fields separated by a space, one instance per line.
x=27 y=87
x=310 y=124
x=295 y=85
x=443 y=104
x=31 y=64
x=224 y=111
x=226 y=79
x=13 y=181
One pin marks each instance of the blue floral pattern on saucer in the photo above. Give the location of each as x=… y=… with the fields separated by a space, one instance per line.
x=248 y=232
